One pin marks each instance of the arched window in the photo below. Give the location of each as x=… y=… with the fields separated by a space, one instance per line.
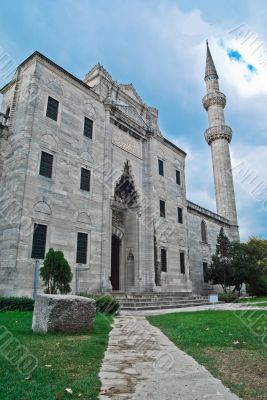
x=204 y=232
x=7 y=115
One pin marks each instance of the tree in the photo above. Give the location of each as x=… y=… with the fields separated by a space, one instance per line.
x=56 y=273
x=257 y=277
x=219 y=271
x=239 y=265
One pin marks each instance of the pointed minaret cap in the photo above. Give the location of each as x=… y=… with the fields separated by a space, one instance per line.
x=210 y=67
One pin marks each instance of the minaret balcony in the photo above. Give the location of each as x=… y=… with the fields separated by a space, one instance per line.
x=218 y=132
x=216 y=98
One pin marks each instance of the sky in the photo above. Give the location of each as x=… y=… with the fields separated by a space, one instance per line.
x=159 y=46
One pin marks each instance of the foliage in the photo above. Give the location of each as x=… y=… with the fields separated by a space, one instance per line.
x=56 y=272
x=228 y=297
x=16 y=304
x=236 y=263
x=239 y=265
x=220 y=272
x=257 y=277
x=64 y=361
x=105 y=303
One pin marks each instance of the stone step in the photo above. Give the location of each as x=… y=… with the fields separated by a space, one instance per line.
x=160 y=294
x=160 y=306
x=171 y=300
x=181 y=299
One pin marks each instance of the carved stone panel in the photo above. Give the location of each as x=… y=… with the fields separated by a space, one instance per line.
x=127 y=143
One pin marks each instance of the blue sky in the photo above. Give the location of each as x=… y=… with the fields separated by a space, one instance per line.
x=159 y=46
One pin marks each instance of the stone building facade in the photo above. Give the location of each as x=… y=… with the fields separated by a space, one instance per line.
x=84 y=168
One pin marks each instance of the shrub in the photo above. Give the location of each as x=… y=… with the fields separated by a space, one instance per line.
x=105 y=303
x=16 y=304
x=56 y=272
x=228 y=297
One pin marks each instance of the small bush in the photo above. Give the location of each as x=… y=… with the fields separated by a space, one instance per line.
x=228 y=297
x=16 y=304
x=257 y=286
x=105 y=303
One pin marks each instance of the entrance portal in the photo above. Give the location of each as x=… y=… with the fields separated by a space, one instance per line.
x=115 y=263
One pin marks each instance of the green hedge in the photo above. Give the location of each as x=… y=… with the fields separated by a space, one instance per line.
x=105 y=303
x=16 y=304
x=228 y=297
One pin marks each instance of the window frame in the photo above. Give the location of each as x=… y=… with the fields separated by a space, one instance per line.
x=204 y=232
x=45 y=245
x=160 y=167
x=90 y=180
x=45 y=151
x=162 y=202
x=93 y=127
x=162 y=250
x=179 y=180
x=182 y=264
x=87 y=247
x=180 y=216
x=58 y=109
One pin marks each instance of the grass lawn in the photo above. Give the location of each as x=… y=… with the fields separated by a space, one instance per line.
x=64 y=361
x=224 y=342
x=253 y=299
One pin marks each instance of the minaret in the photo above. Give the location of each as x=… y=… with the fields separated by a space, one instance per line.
x=218 y=136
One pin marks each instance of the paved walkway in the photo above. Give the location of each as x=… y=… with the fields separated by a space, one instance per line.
x=141 y=363
x=217 y=307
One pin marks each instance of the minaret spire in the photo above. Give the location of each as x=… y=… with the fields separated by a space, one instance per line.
x=210 y=67
x=218 y=136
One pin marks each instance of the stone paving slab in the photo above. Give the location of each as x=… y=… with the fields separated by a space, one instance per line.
x=141 y=363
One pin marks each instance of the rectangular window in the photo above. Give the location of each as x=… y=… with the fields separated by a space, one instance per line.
x=161 y=167
x=182 y=263
x=39 y=241
x=85 y=179
x=88 y=128
x=180 y=215
x=163 y=260
x=205 y=272
x=46 y=165
x=178 y=177
x=82 y=243
x=52 y=108
x=162 y=208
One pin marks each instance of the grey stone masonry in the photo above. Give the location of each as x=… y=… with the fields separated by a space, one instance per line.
x=64 y=313
x=129 y=228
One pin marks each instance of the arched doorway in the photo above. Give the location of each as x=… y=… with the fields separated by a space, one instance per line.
x=115 y=262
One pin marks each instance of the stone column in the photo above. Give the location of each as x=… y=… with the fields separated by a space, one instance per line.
x=105 y=284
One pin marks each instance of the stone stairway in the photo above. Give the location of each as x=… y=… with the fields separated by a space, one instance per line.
x=162 y=300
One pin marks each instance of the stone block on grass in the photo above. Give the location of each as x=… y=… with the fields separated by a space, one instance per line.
x=63 y=313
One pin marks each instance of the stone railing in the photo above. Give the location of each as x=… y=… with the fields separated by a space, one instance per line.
x=210 y=99
x=207 y=213
x=218 y=132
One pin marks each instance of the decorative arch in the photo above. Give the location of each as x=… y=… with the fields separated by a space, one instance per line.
x=42 y=207
x=204 y=237
x=49 y=141
x=84 y=218
x=125 y=192
x=89 y=109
